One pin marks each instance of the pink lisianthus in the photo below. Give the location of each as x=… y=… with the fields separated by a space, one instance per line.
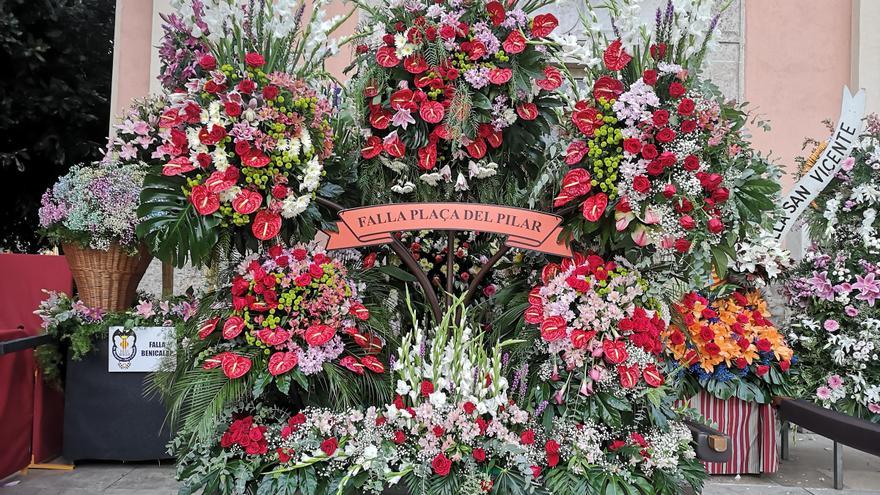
x=831 y=325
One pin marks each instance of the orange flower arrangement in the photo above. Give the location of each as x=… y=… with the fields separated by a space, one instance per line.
x=729 y=339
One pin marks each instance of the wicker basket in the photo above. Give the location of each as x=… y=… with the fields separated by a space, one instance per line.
x=107 y=279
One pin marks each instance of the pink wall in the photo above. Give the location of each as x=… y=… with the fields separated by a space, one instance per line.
x=132 y=52
x=797 y=60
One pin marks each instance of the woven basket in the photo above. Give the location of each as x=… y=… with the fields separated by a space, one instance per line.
x=107 y=279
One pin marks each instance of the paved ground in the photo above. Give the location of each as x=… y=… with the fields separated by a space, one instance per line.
x=807 y=473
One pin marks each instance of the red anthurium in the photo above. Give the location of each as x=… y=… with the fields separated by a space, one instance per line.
x=432 y=112
x=534 y=315
x=386 y=56
x=266 y=225
x=373 y=364
x=577 y=182
x=208 y=327
x=359 y=311
x=319 y=334
x=255 y=159
x=235 y=366
x=587 y=118
x=615 y=56
x=549 y=271
x=282 y=362
x=247 y=202
x=576 y=152
x=415 y=64
x=219 y=182
x=476 y=50
x=372 y=147
x=515 y=43
x=273 y=337
x=527 y=111
x=594 y=206
x=380 y=118
x=370 y=343
x=500 y=76
x=652 y=376
x=614 y=351
x=543 y=25
x=204 y=201
x=212 y=134
x=170 y=118
x=393 y=145
x=214 y=362
x=552 y=79
x=177 y=166
x=562 y=199
x=233 y=327
x=477 y=149
x=608 y=88
x=352 y=364
x=427 y=157
x=493 y=137
x=580 y=338
x=553 y=328
x=403 y=98
x=371 y=89
x=496 y=12
x=629 y=376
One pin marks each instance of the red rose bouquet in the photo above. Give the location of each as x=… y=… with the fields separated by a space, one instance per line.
x=657 y=160
x=453 y=93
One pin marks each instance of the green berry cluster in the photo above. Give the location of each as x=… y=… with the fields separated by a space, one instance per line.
x=606 y=151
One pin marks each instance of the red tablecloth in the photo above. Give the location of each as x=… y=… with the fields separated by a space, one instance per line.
x=22 y=280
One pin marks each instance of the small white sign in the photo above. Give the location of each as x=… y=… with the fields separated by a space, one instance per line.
x=139 y=349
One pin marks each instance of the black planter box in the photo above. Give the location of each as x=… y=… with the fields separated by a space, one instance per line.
x=107 y=417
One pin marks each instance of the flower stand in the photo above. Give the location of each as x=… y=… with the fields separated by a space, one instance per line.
x=107 y=417
x=752 y=429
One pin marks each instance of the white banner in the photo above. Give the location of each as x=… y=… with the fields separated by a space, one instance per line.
x=139 y=349
x=846 y=133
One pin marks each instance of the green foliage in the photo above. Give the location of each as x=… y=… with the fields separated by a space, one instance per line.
x=54 y=102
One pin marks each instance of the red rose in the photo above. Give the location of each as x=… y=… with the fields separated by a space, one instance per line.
x=660 y=118
x=232 y=108
x=658 y=51
x=551 y=448
x=669 y=191
x=632 y=145
x=208 y=62
x=247 y=86
x=687 y=222
x=270 y=92
x=665 y=135
x=527 y=437
x=691 y=163
x=441 y=465
x=254 y=60
x=762 y=370
x=279 y=191
x=427 y=388
x=399 y=437
x=785 y=365
x=764 y=345
x=721 y=195
x=212 y=87
x=682 y=245
x=641 y=184
x=536 y=471
x=676 y=90
x=688 y=126
x=479 y=455
x=649 y=152
x=686 y=106
x=650 y=77
x=329 y=446
x=469 y=407
x=715 y=225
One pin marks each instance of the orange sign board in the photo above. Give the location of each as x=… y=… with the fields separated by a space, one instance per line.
x=526 y=229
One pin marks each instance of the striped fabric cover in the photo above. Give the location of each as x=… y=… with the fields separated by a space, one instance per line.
x=752 y=429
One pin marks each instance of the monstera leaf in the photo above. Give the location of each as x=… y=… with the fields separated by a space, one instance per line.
x=170 y=225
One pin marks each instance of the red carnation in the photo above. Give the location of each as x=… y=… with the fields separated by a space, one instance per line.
x=527 y=437
x=762 y=370
x=479 y=455
x=632 y=145
x=715 y=225
x=208 y=62
x=427 y=388
x=682 y=245
x=676 y=90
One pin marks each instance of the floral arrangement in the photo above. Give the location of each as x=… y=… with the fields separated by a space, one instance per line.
x=730 y=348
x=451 y=92
x=94 y=206
x=452 y=428
x=243 y=143
x=597 y=358
x=293 y=311
x=833 y=291
x=137 y=139
x=77 y=327
x=658 y=161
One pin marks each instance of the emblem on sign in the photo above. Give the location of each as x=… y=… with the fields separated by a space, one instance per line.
x=124 y=347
